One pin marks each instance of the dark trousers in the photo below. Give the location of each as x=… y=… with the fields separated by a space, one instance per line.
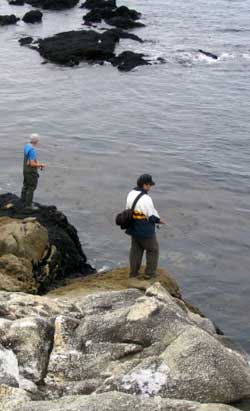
x=30 y=181
x=138 y=246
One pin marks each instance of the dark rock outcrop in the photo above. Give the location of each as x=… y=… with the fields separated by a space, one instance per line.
x=16 y=2
x=46 y=247
x=121 y=17
x=24 y=41
x=69 y=48
x=128 y=60
x=98 y=4
x=33 y=16
x=208 y=54
x=96 y=15
x=124 y=23
x=53 y=4
x=8 y=19
x=125 y=35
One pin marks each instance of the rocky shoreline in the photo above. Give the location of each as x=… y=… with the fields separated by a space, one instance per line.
x=101 y=341
x=71 y=47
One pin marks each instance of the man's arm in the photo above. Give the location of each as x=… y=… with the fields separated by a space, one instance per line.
x=33 y=162
x=37 y=164
x=151 y=213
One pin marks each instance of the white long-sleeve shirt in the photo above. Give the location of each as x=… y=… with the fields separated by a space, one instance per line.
x=144 y=205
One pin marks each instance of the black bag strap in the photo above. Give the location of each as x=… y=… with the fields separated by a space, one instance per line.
x=136 y=200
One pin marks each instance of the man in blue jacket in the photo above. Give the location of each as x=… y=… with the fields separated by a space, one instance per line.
x=142 y=230
x=30 y=170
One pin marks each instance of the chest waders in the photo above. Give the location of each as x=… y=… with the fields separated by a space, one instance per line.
x=30 y=180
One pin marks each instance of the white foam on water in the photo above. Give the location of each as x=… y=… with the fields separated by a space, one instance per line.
x=104 y=269
x=246 y=56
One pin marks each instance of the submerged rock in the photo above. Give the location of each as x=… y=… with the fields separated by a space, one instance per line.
x=124 y=22
x=36 y=247
x=96 y=15
x=128 y=60
x=98 y=4
x=33 y=16
x=25 y=41
x=53 y=4
x=16 y=2
x=8 y=19
x=208 y=54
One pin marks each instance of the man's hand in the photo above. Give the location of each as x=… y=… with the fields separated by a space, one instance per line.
x=162 y=221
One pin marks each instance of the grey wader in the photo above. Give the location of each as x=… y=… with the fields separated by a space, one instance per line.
x=138 y=245
x=30 y=180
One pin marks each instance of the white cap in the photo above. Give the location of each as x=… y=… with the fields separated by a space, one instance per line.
x=34 y=138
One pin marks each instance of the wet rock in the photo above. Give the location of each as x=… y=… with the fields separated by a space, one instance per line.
x=25 y=41
x=127 y=13
x=33 y=16
x=16 y=2
x=208 y=54
x=36 y=247
x=96 y=15
x=93 y=16
x=70 y=48
x=73 y=46
x=98 y=4
x=125 y=35
x=124 y=23
x=8 y=19
x=53 y=4
x=128 y=60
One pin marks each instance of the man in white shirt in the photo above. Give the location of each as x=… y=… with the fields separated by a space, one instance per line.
x=142 y=229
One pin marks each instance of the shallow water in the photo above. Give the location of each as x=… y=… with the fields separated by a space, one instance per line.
x=186 y=122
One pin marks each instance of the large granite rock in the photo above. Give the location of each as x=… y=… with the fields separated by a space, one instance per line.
x=9 y=372
x=106 y=341
x=114 y=401
x=129 y=347
x=36 y=247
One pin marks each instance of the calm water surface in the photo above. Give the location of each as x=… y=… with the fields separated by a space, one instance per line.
x=186 y=122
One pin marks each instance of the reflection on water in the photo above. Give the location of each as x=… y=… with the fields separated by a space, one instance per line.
x=186 y=122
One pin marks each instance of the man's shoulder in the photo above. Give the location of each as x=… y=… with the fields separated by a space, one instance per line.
x=29 y=150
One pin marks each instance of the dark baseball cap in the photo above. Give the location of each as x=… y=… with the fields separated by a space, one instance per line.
x=145 y=179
